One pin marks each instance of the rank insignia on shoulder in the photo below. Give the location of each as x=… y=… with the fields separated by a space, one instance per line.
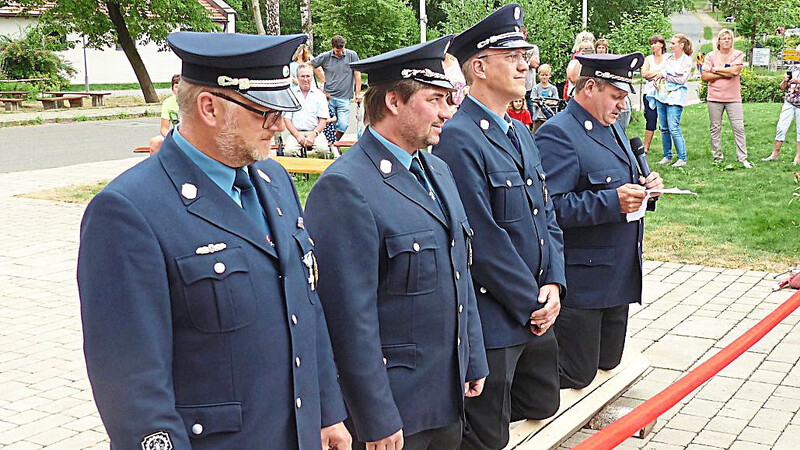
x=211 y=248
x=157 y=441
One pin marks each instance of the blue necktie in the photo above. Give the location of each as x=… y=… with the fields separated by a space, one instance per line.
x=250 y=202
x=514 y=140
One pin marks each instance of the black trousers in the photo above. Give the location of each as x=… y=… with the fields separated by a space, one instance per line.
x=444 y=438
x=589 y=339
x=522 y=384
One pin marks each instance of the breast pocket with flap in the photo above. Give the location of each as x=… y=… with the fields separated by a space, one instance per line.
x=412 y=268
x=507 y=195
x=218 y=290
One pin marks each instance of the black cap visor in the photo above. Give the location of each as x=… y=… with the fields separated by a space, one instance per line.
x=623 y=85
x=280 y=100
x=513 y=43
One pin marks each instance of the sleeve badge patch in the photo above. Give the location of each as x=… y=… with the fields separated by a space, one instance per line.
x=157 y=441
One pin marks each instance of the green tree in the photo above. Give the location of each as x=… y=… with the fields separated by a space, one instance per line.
x=603 y=14
x=549 y=23
x=370 y=26
x=34 y=55
x=124 y=23
x=754 y=17
x=632 y=31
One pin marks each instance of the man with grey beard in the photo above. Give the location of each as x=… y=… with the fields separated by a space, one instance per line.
x=202 y=326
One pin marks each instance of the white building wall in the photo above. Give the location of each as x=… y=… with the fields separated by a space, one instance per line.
x=108 y=65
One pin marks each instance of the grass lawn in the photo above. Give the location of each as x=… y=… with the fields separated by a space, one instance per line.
x=742 y=218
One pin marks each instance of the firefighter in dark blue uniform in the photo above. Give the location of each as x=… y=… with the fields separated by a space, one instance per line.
x=202 y=326
x=394 y=250
x=518 y=269
x=595 y=181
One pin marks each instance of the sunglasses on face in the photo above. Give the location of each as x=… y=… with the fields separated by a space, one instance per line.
x=270 y=117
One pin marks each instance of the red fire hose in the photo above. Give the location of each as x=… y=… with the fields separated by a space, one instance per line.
x=624 y=427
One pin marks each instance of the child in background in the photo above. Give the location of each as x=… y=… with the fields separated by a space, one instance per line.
x=517 y=110
x=544 y=90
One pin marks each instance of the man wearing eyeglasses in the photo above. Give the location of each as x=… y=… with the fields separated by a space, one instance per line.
x=197 y=278
x=518 y=268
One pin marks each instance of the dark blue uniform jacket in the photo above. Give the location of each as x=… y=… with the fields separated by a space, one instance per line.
x=220 y=348
x=586 y=165
x=517 y=241
x=395 y=283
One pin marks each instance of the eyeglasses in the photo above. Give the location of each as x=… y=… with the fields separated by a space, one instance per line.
x=270 y=117
x=516 y=57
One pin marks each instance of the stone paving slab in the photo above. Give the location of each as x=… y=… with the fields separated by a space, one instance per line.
x=689 y=313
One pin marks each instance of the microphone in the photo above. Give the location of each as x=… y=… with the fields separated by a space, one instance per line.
x=641 y=157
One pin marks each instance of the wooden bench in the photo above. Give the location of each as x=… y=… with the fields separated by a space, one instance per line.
x=13 y=94
x=343 y=144
x=11 y=104
x=303 y=165
x=75 y=101
x=97 y=97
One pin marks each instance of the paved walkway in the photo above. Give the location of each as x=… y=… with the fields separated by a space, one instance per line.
x=689 y=313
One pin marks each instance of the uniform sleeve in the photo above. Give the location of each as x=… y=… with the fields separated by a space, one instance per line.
x=573 y=208
x=127 y=324
x=347 y=246
x=496 y=264
x=331 y=402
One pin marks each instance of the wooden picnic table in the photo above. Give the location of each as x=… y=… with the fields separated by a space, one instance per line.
x=13 y=94
x=97 y=97
x=11 y=104
x=55 y=102
x=303 y=165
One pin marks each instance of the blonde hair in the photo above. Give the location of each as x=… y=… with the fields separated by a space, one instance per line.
x=581 y=37
x=545 y=68
x=724 y=31
x=687 y=43
x=302 y=52
x=187 y=96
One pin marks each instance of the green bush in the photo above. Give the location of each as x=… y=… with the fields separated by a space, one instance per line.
x=756 y=88
x=34 y=56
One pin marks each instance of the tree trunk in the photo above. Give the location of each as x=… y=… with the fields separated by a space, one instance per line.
x=129 y=47
x=255 y=10
x=272 y=8
x=305 y=20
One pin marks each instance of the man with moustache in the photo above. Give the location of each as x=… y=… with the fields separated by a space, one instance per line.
x=202 y=329
x=518 y=268
x=394 y=250
x=595 y=182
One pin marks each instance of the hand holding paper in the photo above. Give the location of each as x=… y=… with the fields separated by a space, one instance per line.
x=638 y=214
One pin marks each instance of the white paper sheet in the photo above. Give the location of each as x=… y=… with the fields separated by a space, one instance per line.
x=639 y=213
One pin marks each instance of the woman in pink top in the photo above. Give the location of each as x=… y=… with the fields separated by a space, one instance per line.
x=721 y=70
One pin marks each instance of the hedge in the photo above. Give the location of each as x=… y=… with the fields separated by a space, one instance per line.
x=755 y=88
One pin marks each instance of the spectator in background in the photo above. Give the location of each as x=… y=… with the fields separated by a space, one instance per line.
x=574 y=67
x=791 y=108
x=456 y=77
x=530 y=75
x=650 y=71
x=543 y=90
x=601 y=46
x=333 y=69
x=518 y=110
x=572 y=75
x=670 y=96
x=301 y=56
x=305 y=126
x=170 y=115
x=721 y=70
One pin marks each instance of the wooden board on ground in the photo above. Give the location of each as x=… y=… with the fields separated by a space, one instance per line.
x=303 y=165
x=578 y=407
